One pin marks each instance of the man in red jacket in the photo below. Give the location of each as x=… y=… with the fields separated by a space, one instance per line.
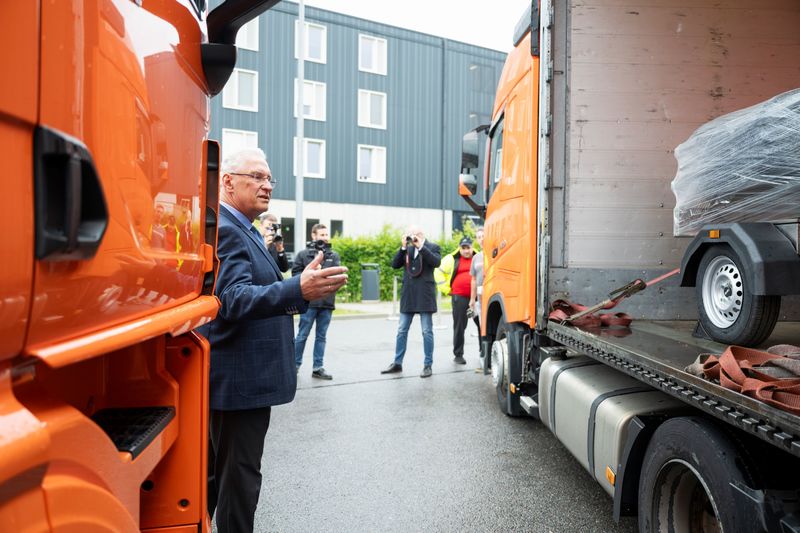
x=460 y=287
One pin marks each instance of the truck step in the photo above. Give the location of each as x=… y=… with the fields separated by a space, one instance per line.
x=132 y=429
x=529 y=405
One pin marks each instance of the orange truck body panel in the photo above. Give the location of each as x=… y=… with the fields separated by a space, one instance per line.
x=512 y=234
x=113 y=330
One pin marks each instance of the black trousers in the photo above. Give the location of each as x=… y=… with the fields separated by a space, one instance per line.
x=460 y=306
x=234 y=466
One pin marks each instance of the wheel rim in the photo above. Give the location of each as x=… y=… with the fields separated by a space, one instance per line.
x=722 y=292
x=682 y=501
x=499 y=356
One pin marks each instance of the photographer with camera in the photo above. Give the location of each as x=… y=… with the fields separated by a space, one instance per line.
x=418 y=258
x=273 y=240
x=318 y=310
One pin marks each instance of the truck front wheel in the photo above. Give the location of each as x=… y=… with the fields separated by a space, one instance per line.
x=688 y=478
x=729 y=311
x=506 y=362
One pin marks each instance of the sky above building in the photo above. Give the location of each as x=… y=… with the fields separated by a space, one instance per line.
x=480 y=22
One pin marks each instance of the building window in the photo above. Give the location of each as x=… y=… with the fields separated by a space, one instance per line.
x=235 y=140
x=371 y=109
x=314 y=99
x=316 y=42
x=337 y=228
x=241 y=91
x=287 y=232
x=313 y=158
x=247 y=37
x=371 y=54
x=371 y=163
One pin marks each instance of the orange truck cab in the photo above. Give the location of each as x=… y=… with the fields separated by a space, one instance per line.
x=110 y=227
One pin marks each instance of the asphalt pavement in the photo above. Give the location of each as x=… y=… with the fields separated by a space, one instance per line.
x=371 y=452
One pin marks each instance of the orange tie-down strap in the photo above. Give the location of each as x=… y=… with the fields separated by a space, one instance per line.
x=583 y=316
x=758 y=374
x=563 y=310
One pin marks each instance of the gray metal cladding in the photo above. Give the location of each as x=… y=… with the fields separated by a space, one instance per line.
x=431 y=92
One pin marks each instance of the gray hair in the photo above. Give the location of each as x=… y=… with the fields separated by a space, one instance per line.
x=234 y=161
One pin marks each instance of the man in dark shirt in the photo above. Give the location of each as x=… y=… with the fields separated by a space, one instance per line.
x=319 y=311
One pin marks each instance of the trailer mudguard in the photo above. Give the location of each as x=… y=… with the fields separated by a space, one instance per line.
x=771 y=263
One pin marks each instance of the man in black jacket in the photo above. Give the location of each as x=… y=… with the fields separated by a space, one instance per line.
x=318 y=310
x=419 y=258
x=274 y=242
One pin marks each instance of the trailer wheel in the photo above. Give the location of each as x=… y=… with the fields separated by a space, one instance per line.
x=505 y=368
x=688 y=477
x=729 y=311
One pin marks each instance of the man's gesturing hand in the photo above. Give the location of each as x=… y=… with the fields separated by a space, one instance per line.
x=316 y=283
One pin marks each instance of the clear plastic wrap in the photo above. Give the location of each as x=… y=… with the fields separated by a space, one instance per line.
x=741 y=167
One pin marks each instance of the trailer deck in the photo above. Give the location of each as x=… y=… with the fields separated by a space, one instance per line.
x=656 y=352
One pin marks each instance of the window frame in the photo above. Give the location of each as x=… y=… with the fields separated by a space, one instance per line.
x=324 y=59
x=384 y=111
x=321 y=175
x=225 y=131
x=493 y=174
x=324 y=105
x=228 y=86
x=373 y=148
x=364 y=36
x=252 y=31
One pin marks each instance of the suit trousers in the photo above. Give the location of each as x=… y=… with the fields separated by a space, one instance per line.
x=234 y=466
x=460 y=306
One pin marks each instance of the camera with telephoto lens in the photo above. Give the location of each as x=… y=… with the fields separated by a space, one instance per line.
x=319 y=245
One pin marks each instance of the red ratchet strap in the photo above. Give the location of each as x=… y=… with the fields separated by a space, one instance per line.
x=583 y=316
x=737 y=369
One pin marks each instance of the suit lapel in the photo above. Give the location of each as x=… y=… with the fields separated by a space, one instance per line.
x=260 y=245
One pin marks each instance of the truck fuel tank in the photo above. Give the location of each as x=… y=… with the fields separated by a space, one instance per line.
x=589 y=407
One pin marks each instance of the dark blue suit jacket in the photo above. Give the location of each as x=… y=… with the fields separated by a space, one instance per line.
x=252 y=338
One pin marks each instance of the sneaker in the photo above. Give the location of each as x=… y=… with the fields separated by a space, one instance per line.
x=426 y=372
x=321 y=374
x=459 y=360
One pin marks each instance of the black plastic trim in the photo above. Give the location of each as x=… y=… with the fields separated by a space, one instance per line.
x=70 y=210
x=133 y=429
x=772 y=266
x=212 y=210
x=626 y=487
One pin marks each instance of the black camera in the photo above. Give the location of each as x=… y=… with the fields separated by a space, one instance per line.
x=319 y=245
x=408 y=241
x=275 y=228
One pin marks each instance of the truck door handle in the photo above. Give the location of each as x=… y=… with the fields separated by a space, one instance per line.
x=69 y=205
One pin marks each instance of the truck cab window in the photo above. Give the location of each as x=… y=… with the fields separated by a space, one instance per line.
x=495 y=162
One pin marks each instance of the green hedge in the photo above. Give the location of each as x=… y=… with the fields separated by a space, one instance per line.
x=379 y=249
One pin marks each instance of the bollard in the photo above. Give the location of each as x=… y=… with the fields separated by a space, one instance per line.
x=394 y=315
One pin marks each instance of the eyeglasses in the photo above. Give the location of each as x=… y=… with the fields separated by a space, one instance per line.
x=258 y=178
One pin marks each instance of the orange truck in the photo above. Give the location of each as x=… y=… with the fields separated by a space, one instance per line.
x=109 y=257
x=575 y=189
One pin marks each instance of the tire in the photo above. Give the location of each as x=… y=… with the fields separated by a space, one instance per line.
x=729 y=311
x=687 y=479
x=506 y=363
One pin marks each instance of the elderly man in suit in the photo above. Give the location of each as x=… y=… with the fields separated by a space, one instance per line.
x=252 y=352
x=418 y=258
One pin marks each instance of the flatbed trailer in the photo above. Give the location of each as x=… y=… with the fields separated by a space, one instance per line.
x=574 y=186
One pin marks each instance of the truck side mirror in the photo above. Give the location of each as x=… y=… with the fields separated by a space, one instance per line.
x=469 y=151
x=467 y=185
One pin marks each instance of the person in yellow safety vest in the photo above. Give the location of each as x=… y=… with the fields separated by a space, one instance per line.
x=443 y=274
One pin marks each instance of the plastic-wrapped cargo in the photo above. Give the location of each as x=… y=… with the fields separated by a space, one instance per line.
x=741 y=167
